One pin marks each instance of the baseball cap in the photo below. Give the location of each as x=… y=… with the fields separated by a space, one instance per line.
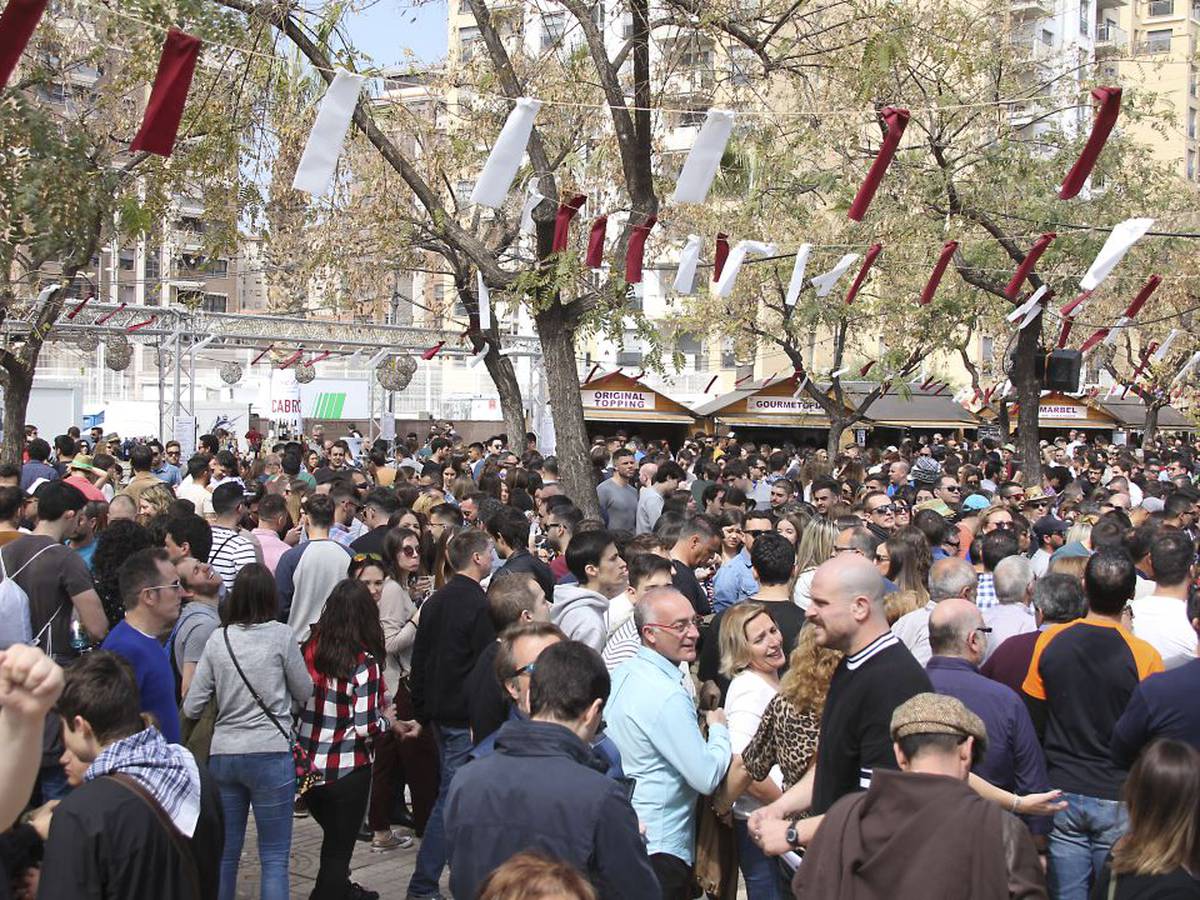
x=1050 y=524
x=976 y=502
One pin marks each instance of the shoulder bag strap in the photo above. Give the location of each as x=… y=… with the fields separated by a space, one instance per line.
x=177 y=837
x=223 y=543
x=253 y=693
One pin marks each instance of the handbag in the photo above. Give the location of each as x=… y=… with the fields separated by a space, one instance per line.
x=307 y=777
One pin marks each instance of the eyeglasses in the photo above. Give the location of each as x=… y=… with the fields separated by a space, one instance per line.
x=952 y=488
x=882 y=510
x=756 y=532
x=680 y=628
x=174 y=586
x=984 y=629
x=837 y=549
x=550 y=525
x=364 y=557
x=409 y=550
x=524 y=670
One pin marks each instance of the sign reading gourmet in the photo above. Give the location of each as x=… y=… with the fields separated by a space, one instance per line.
x=784 y=406
x=1061 y=411
x=601 y=399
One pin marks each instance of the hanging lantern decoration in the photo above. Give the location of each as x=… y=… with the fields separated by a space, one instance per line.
x=231 y=372
x=118 y=352
x=396 y=373
x=88 y=341
x=305 y=372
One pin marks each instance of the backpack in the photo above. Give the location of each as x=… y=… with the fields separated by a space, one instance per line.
x=16 y=622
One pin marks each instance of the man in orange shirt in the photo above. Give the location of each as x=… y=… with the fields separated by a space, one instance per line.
x=1080 y=679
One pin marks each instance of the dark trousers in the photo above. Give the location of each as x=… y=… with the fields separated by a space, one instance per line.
x=338 y=806
x=413 y=761
x=674 y=877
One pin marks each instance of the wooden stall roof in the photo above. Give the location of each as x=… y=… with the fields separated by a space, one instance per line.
x=1131 y=413
x=617 y=397
x=920 y=409
x=767 y=402
x=1059 y=410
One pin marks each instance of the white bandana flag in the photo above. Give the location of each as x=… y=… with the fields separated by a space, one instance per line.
x=324 y=146
x=704 y=158
x=1028 y=311
x=1123 y=236
x=479 y=357
x=733 y=265
x=485 y=303
x=797 y=282
x=1112 y=332
x=685 y=277
x=504 y=160
x=1161 y=353
x=824 y=283
x=1187 y=367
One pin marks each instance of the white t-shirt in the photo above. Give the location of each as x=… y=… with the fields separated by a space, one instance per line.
x=746 y=701
x=1163 y=623
x=198 y=494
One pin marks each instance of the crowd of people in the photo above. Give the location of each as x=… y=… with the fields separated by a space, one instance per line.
x=905 y=671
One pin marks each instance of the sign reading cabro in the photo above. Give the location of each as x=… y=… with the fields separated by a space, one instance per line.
x=617 y=399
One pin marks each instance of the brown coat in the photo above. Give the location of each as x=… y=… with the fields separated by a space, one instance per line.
x=912 y=835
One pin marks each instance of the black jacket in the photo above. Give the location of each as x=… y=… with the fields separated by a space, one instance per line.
x=544 y=789
x=455 y=628
x=521 y=562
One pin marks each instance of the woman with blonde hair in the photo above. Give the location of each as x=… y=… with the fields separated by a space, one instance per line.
x=751 y=656
x=154 y=501
x=816 y=546
x=534 y=876
x=1160 y=854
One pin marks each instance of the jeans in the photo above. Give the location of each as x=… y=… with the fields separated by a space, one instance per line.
x=453 y=746
x=1083 y=834
x=760 y=872
x=339 y=807
x=265 y=782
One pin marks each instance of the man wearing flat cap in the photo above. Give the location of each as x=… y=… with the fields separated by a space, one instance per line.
x=922 y=831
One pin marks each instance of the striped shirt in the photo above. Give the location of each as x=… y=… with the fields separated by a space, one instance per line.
x=231 y=552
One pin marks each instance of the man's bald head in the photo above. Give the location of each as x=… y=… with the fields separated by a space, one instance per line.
x=954 y=630
x=847 y=602
x=665 y=622
x=952 y=577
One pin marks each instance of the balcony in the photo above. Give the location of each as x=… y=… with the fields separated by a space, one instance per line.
x=1031 y=9
x=1111 y=36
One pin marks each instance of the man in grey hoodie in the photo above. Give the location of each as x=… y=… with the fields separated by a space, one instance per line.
x=579 y=609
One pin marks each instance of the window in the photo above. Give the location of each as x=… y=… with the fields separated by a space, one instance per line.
x=191 y=223
x=554 y=26
x=153 y=268
x=626 y=26
x=1085 y=17
x=692 y=350
x=126 y=259
x=1191 y=123
x=630 y=352
x=217 y=267
x=218 y=303
x=1191 y=164
x=598 y=14
x=1158 y=41
x=987 y=349
x=1162 y=7
x=728 y=354
x=1047 y=37
x=741 y=66
x=467 y=38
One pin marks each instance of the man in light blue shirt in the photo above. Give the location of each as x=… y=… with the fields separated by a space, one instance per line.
x=651 y=719
x=734 y=581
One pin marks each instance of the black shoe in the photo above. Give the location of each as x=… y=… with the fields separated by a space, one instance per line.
x=365 y=834
x=358 y=892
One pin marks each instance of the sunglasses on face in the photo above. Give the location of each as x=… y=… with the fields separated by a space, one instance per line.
x=883 y=510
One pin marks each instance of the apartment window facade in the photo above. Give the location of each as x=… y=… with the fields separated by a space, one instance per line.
x=1161 y=8
x=1085 y=17
x=467 y=39
x=630 y=352
x=554 y=28
x=1158 y=40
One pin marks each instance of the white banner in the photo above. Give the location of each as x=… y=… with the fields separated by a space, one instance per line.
x=618 y=399
x=283 y=400
x=1061 y=411
x=784 y=406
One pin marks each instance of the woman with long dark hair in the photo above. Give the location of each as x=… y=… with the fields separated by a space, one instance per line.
x=908 y=560
x=254 y=669
x=338 y=725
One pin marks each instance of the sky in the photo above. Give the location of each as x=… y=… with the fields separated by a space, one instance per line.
x=386 y=29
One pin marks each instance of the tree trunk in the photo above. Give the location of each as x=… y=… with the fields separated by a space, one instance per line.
x=1029 y=393
x=18 y=383
x=1003 y=421
x=1151 y=426
x=504 y=376
x=833 y=442
x=566 y=406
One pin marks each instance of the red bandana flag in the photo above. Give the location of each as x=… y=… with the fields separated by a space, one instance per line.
x=433 y=351
x=897 y=121
x=1027 y=264
x=1109 y=99
x=637 y=250
x=595 y=250
x=939 y=270
x=160 y=123
x=868 y=261
x=722 y=254
x=1139 y=301
x=17 y=23
x=562 y=221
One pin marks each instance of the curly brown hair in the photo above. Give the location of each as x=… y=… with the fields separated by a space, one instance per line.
x=810 y=669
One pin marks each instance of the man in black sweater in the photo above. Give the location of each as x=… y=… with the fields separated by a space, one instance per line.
x=455 y=630
x=877 y=674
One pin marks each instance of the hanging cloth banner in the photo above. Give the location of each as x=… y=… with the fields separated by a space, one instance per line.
x=869 y=260
x=504 y=160
x=485 y=302
x=797 y=280
x=1187 y=367
x=896 y=121
x=1161 y=353
x=1109 y=99
x=433 y=351
x=939 y=270
x=637 y=250
x=1139 y=301
x=1122 y=322
x=704 y=158
x=737 y=257
x=532 y=198
x=685 y=277
x=595 y=250
x=328 y=134
x=1027 y=264
x=160 y=122
x=720 y=255
x=479 y=356
x=562 y=221
x=1065 y=333
x=1069 y=310
x=824 y=283
x=1029 y=310
x=17 y=24
x=800 y=386
x=1122 y=237
x=1100 y=334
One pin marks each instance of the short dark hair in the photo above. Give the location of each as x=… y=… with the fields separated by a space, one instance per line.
x=933 y=525
x=997 y=545
x=1110 y=531
x=667 y=471
x=449 y=512
x=101 y=688
x=568 y=678
x=319 y=509
x=12 y=499
x=510 y=595
x=913 y=744
x=826 y=484
x=252 y=599
x=585 y=549
x=1172 y=554
x=465 y=544
x=698 y=525
x=567 y=513
x=1109 y=580
x=194 y=531
x=227 y=497
x=227 y=460
x=504 y=667
x=139 y=572
x=271 y=505
x=1059 y=598
x=643 y=565
x=39 y=449
x=56 y=499
x=141 y=458
x=511 y=526
x=383 y=500
x=773 y=558
x=1178 y=502
x=198 y=464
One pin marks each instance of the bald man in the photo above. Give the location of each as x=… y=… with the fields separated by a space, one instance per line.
x=877 y=674
x=1014 y=758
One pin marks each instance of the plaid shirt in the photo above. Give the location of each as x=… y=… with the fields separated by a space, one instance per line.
x=342 y=716
x=985 y=592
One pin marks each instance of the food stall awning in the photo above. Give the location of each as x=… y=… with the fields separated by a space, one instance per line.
x=920 y=409
x=617 y=397
x=1131 y=413
x=767 y=402
x=1058 y=410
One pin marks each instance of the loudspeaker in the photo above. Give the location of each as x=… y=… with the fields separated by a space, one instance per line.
x=1061 y=370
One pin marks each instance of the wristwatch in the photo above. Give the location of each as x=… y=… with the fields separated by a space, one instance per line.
x=790 y=835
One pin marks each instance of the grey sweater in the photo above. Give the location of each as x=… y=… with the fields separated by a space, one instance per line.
x=271 y=659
